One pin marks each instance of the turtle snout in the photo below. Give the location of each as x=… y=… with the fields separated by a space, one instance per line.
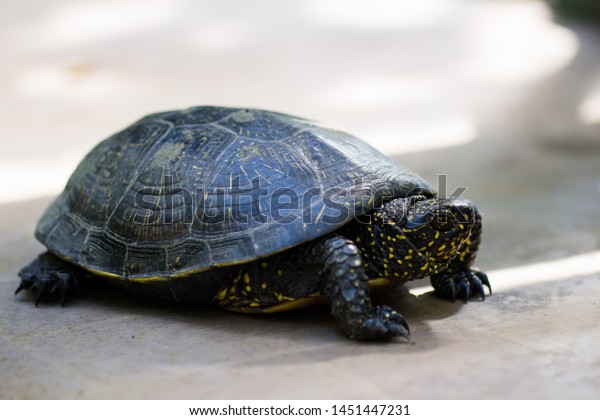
x=463 y=210
x=454 y=211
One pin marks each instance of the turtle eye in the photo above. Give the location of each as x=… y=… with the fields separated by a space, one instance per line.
x=416 y=198
x=442 y=220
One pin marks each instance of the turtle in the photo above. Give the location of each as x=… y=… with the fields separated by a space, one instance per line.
x=256 y=212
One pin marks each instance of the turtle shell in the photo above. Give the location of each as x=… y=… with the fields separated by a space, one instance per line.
x=183 y=191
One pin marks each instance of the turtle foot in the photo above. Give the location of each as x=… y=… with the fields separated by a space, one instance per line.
x=49 y=276
x=462 y=284
x=384 y=323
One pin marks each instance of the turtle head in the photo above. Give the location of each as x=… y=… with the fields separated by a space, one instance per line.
x=433 y=230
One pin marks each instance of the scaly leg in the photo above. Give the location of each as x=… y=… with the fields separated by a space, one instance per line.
x=330 y=267
x=460 y=279
x=347 y=287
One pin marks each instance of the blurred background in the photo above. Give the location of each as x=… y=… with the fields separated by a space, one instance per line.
x=403 y=75
x=502 y=96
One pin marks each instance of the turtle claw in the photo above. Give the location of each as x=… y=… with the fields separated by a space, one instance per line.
x=400 y=330
x=66 y=281
x=465 y=288
x=480 y=291
x=25 y=284
x=452 y=290
x=384 y=323
x=39 y=294
x=484 y=280
x=463 y=283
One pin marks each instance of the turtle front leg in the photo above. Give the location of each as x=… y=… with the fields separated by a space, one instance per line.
x=48 y=275
x=331 y=268
x=346 y=285
x=460 y=279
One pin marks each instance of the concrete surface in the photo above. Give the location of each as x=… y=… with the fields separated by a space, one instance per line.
x=526 y=142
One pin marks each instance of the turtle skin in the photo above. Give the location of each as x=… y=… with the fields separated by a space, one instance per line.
x=253 y=211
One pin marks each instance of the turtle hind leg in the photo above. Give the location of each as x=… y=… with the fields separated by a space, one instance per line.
x=49 y=276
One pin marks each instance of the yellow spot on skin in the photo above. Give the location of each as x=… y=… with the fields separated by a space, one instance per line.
x=263 y=286
x=408 y=257
x=389 y=238
x=279 y=273
x=396 y=275
x=431 y=243
x=425 y=266
x=357 y=240
x=441 y=248
x=461 y=226
x=246 y=278
x=437 y=235
x=264 y=265
x=248 y=288
x=399 y=262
